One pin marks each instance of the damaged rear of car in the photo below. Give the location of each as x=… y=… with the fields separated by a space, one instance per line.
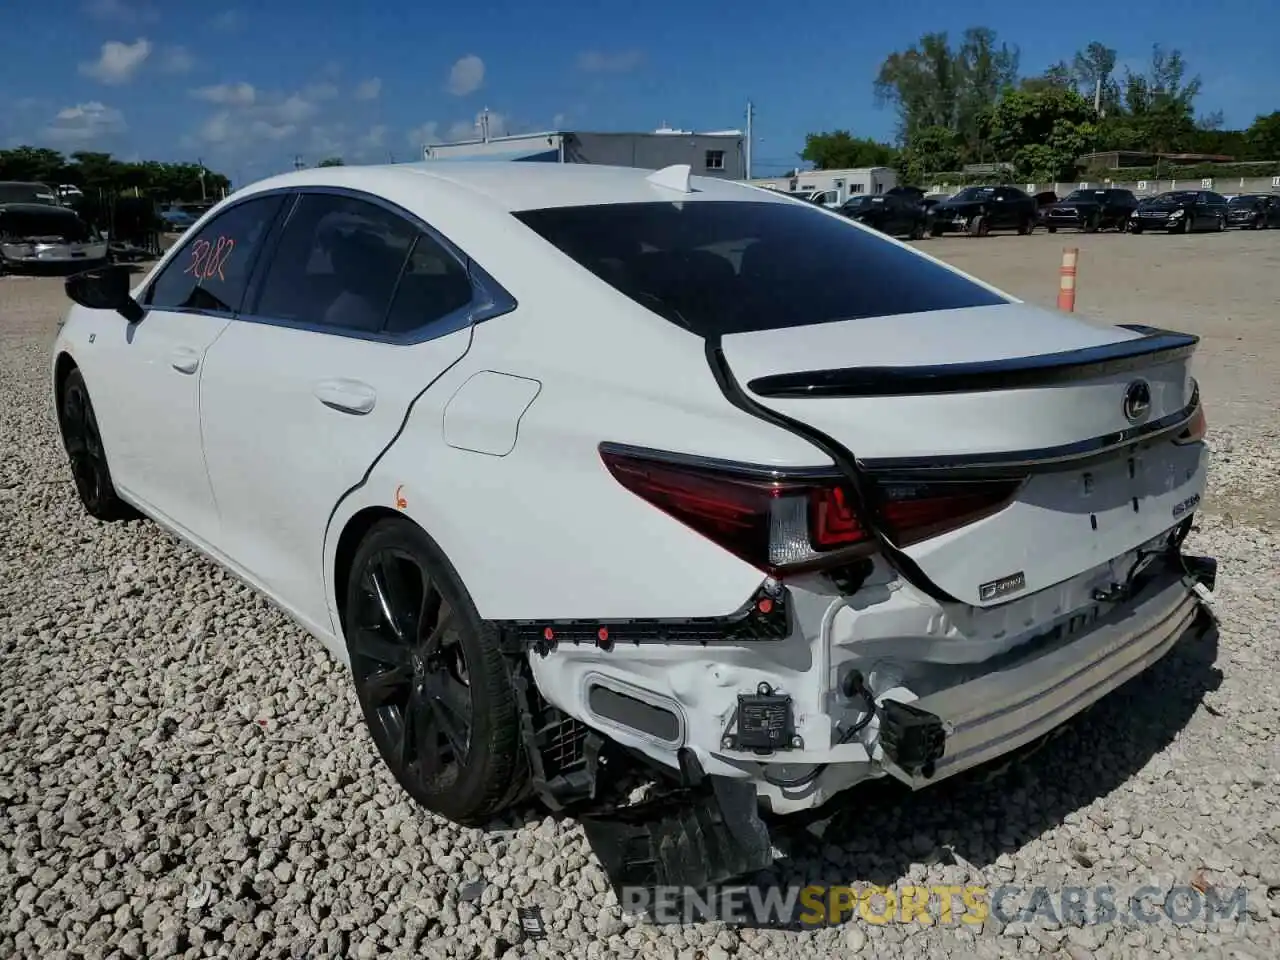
x=35 y=236
x=989 y=538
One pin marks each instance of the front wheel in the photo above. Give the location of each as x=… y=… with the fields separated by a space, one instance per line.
x=82 y=441
x=978 y=226
x=431 y=678
x=917 y=232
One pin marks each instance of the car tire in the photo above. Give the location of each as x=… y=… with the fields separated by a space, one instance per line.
x=1025 y=227
x=1222 y=224
x=917 y=232
x=431 y=679
x=82 y=441
x=1091 y=225
x=1135 y=229
x=977 y=226
x=1052 y=229
x=935 y=231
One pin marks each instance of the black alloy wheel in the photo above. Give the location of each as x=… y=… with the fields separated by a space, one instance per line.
x=430 y=677
x=82 y=440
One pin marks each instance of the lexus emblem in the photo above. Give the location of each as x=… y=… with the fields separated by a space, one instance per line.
x=1137 y=400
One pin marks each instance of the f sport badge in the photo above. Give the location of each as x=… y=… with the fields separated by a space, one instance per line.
x=994 y=589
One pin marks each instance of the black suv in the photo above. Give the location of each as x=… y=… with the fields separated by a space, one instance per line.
x=1092 y=210
x=898 y=215
x=1254 y=211
x=978 y=210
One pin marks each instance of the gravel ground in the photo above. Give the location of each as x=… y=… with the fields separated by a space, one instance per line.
x=185 y=773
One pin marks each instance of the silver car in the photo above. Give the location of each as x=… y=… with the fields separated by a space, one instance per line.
x=35 y=234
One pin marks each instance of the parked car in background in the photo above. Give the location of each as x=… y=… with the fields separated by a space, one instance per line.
x=830 y=465
x=979 y=210
x=22 y=191
x=1180 y=211
x=895 y=214
x=1092 y=210
x=176 y=219
x=1044 y=200
x=35 y=235
x=1254 y=211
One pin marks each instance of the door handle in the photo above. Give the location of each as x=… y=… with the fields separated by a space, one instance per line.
x=349 y=396
x=184 y=360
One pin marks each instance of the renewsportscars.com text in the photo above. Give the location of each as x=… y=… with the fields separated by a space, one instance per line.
x=934 y=904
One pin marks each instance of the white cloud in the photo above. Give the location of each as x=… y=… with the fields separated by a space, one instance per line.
x=369 y=89
x=499 y=126
x=466 y=76
x=428 y=132
x=594 y=61
x=292 y=109
x=177 y=60
x=227 y=21
x=219 y=128
x=559 y=120
x=85 y=122
x=118 y=61
x=374 y=138
x=320 y=91
x=231 y=94
x=121 y=11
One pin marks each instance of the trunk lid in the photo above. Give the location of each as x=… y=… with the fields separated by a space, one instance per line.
x=1008 y=390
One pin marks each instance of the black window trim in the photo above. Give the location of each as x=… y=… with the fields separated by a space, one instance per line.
x=489 y=299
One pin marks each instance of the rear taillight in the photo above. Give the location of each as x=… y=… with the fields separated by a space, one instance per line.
x=783 y=523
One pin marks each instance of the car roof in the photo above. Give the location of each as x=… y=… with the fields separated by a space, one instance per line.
x=515 y=186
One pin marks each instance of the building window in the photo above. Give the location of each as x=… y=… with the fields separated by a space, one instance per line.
x=855 y=188
x=715 y=159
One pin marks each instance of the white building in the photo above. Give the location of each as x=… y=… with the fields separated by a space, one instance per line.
x=838 y=185
x=715 y=154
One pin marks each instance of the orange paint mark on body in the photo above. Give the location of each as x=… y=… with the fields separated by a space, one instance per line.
x=401 y=502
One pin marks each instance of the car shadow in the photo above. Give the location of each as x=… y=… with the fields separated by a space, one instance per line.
x=875 y=834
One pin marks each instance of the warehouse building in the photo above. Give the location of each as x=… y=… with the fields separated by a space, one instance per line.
x=714 y=154
x=833 y=187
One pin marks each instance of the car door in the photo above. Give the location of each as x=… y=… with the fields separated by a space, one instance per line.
x=153 y=393
x=358 y=310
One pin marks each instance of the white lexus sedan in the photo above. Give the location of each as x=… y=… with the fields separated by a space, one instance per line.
x=580 y=467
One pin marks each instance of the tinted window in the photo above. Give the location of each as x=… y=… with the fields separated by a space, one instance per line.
x=434 y=285
x=721 y=267
x=212 y=268
x=337 y=264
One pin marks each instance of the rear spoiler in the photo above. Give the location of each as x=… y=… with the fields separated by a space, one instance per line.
x=1154 y=346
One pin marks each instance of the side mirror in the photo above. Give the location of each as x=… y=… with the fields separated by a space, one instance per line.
x=106 y=288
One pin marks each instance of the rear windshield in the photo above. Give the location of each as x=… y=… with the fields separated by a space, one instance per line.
x=723 y=267
x=1243 y=201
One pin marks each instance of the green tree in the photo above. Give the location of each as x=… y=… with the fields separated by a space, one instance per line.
x=1263 y=137
x=1058 y=75
x=1160 y=104
x=840 y=150
x=932 y=86
x=1092 y=71
x=1043 y=132
x=332 y=162
x=92 y=172
x=927 y=151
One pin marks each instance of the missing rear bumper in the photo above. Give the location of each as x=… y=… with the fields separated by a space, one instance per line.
x=695 y=837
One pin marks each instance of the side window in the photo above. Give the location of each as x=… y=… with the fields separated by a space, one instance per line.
x=212 y=268
x=337 y=264
x=434 y=285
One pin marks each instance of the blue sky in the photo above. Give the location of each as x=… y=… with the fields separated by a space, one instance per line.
x=247 y=87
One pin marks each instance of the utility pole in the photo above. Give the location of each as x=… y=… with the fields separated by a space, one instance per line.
x=298 y=163
x=484 y=125
x=750 y=117
x=203 y=195
x=1097 y=95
